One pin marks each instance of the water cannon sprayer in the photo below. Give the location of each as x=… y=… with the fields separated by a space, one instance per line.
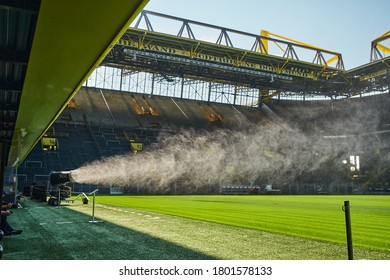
x=58 y=178
x=60 y=189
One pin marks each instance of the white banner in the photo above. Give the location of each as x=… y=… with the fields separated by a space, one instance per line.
x=201 y=270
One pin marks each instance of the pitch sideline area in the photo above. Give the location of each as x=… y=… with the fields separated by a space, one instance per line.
x=133 y=232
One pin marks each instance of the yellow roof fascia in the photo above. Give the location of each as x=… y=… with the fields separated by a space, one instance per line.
x=71 y=39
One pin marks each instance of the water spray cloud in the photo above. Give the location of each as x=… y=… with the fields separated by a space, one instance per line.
x=193 y=158
x=275 y=152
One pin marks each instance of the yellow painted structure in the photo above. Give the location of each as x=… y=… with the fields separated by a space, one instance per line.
x=71 y=39
x=382 y=47
x=264 y=47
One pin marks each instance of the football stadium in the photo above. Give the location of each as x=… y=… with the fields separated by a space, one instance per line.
x=120 y=141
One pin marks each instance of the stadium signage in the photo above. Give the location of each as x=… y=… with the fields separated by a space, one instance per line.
x=299 y=72
x=49 y=144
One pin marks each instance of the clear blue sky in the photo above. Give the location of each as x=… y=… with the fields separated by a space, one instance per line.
x=344 y=26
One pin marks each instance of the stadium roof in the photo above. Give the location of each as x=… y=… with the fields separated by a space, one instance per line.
x=47 y=50
x=178 y=55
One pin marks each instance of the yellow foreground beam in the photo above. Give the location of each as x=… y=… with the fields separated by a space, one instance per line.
x=71 y=38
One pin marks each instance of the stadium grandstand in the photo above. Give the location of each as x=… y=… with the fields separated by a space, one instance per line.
x=140 y=85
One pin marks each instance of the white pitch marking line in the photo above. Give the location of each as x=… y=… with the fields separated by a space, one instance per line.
x=148 y=217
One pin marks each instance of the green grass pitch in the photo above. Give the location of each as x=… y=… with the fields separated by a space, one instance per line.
x=202 y=227
x=315 y=217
